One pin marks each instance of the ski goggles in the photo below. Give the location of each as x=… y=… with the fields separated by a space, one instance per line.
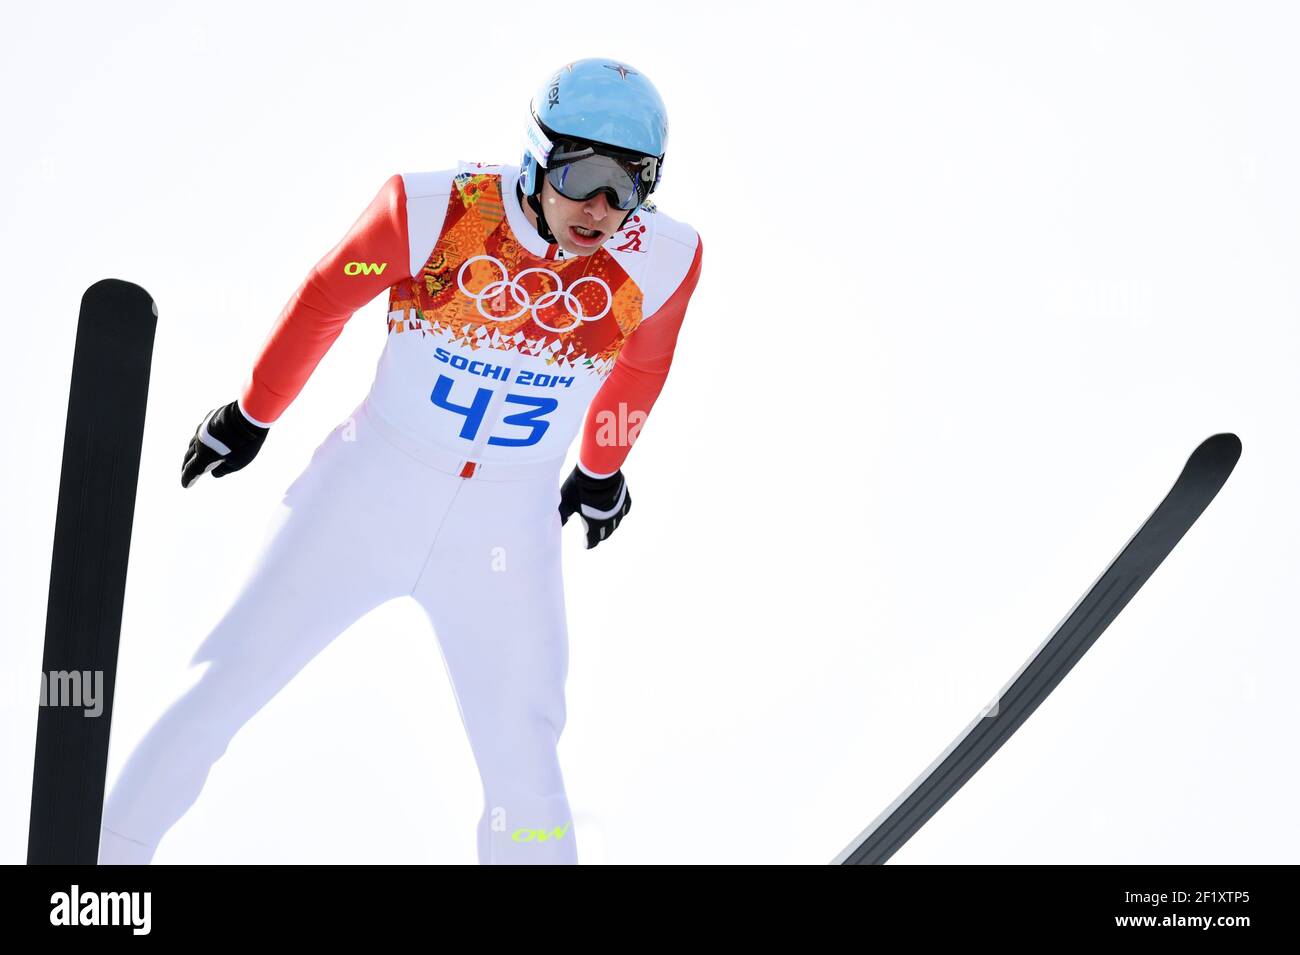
x=580 y=170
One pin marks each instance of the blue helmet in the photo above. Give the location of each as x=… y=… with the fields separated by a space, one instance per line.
x=597 y=101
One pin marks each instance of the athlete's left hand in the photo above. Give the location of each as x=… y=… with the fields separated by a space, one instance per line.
x=601 y=502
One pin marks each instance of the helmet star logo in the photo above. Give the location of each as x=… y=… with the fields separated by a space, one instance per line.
x=621 y=70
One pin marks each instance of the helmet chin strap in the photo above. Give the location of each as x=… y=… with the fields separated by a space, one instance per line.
x=535 y=204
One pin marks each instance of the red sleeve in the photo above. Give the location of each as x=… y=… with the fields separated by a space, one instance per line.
x=371 y=257
x=623 y=402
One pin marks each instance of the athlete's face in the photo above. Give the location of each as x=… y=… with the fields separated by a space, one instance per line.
x=580 y=227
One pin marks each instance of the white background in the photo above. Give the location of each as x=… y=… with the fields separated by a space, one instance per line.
x=977 y=279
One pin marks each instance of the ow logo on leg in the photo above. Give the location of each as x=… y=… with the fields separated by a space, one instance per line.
x=540 y=835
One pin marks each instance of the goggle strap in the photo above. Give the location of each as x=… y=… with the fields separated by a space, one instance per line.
x=539 y=145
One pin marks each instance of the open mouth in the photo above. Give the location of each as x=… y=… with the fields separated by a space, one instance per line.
x=585 y=236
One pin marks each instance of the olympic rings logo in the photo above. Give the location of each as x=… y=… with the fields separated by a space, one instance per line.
x=524 y=299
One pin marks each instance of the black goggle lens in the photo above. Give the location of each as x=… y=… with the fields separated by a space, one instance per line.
x=579 y=172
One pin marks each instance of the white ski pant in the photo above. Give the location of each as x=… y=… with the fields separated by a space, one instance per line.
x=373 y=517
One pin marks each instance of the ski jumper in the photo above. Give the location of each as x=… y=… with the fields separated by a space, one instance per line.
x=443 y=484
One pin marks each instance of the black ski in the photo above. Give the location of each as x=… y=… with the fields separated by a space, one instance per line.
x=92 y=540
x=1204 y=474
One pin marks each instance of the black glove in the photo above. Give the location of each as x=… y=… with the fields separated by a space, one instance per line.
x=224 y=440
x=600 y=502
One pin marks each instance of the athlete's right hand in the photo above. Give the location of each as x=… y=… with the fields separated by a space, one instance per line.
x=600 y=502
x=224 y=441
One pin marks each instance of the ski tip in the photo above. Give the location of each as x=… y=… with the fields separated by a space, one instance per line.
x=115 y=287
x=1215 y=457
x=1225 y=446
x=118 y=292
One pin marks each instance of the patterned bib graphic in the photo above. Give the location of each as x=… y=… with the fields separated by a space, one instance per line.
x=481 y=289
